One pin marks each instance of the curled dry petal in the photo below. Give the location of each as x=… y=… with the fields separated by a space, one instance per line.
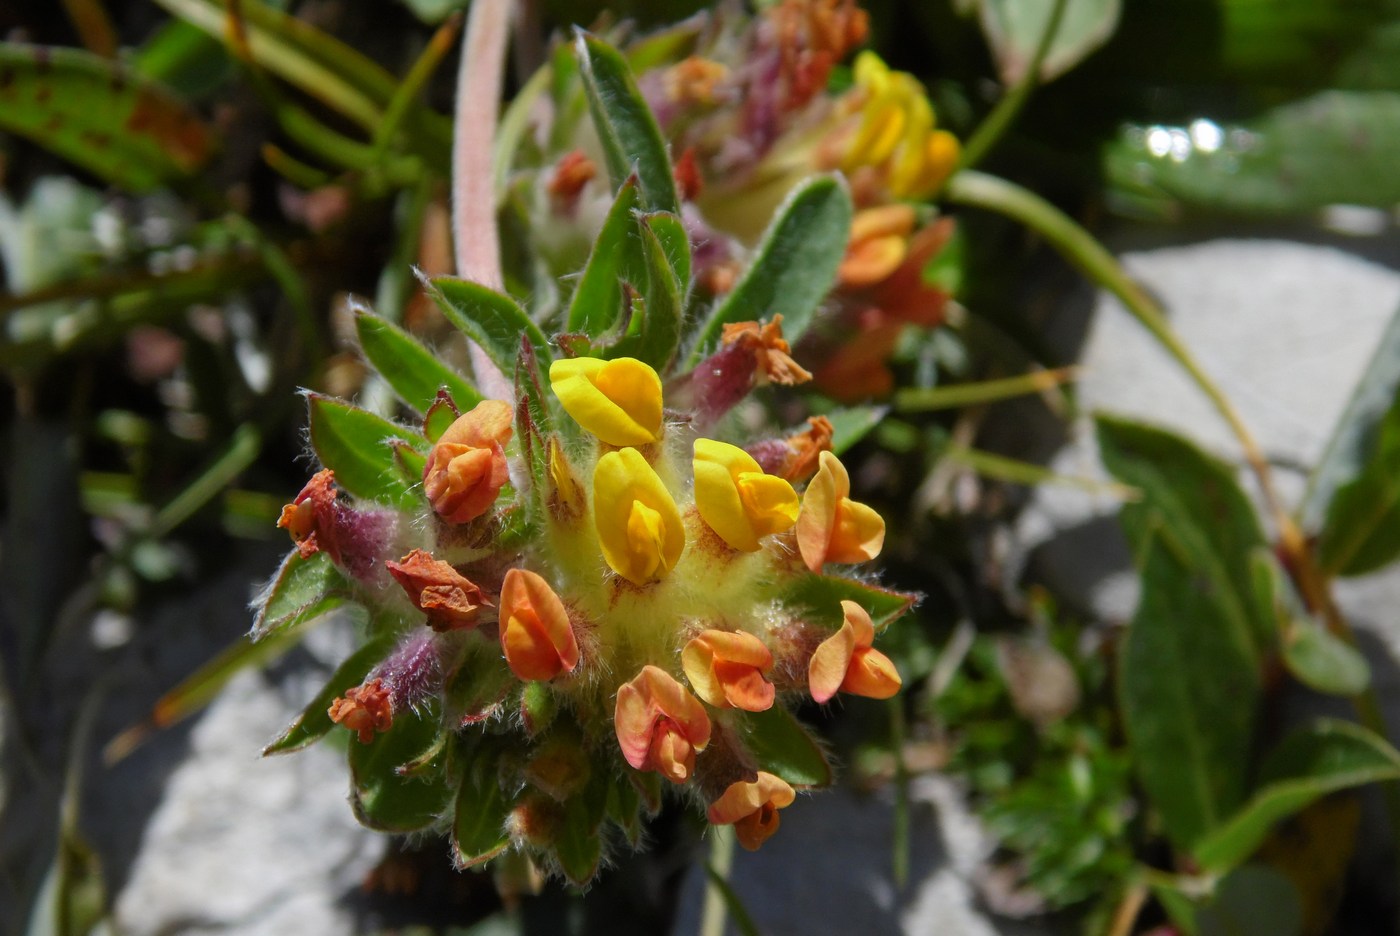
x=311 y=517
x=364 y=709
x=846 y=661
x=619 y=401
x=771 y=352
x=830 y=526
x=738 y=501
x=467 y=467
x=446 y=596
x=660 y=726
x=752 y=807
x=537 y=636
x=639 y=526
x=726 y=669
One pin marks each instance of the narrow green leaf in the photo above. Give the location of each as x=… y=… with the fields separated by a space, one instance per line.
x=658 y=333
x=355 y=444
x=625 y=124
x=415 y=373
x=822 y=595
x=384 y=799
x=1315 y=656
x=1362 y=530
x=851 y=424
x=1256 y=900
x=301 y=590
x=579 y=846
x=315 y=720
x=597 y=301
x=1014 y=30
x=200 y=687
x=1199 y=499
x=784 y=747
x=625 y=809
x=1354 y=437
x=1320 y=759
x=675 y=241
x=101 y=115
x=479 y=823
x=795 y=265
x=1189 y=690
x=492 y=320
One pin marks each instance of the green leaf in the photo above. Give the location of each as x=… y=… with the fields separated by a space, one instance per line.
x=494 y=321
x=1353 y=439
x=675 y=241
x=597 y=302
x=1336 y=147
x=355 y=444
x=481 y=683
x=382 y=798
x=101 y=115
x=415 y=373
x=579 y=846
x=795 y=265
x=784 y=747
x=850 y=424
x=625 y=124
x=822 y=595
x=1198 y=498
x=301 y=590
x=1256 y=900
x=1320 y=759
x=625 y=809
x=1315 y=656
x=1362 y=531
x=1189 y=690
x=1014 y=30
x=441 y=414
x=479 y=823
x=315 y=720
x=654 y=339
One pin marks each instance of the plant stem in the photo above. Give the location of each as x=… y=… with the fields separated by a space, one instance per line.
x=475 y=240
x=714 y=914
x=990 y=131
x=1126 y=913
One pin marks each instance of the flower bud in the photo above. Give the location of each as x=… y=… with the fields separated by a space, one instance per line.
x=537 y=636
x=467 y=467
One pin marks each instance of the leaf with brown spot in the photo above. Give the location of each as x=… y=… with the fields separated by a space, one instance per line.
x=103 y=117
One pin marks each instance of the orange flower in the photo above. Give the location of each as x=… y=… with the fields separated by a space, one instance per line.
x=310 y=518
x=571 y=174
x=693 y=81
x=660 y=726
x=830 y=526
x=450 y=599
x=879 y=244
x=467 y=467
x=537 y=636
x=726 y=670
x=752 y=807
x=770 y=350
x=846 y=661
x=364 y=710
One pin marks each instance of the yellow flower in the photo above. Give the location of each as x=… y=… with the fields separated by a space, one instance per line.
x=639 y=527
x=738 y=501
x=618 y=401
x=833 y=528
x=896 y=134
x=846 y=661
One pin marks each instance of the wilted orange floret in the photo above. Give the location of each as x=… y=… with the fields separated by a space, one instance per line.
x=752 y=807
x=450 y=599
x=807 y=447
x=689 y=182
x=770 y=350
x=537 y=636
x=726 y=669
x=694 y=80
x=813 y=36
x=846 y=661
x=571 y=174
x=364 y=710
x=830 y=526
x=660 y=726
x=467 y=467
x=310 y=517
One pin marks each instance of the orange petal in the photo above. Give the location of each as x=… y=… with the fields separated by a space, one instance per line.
x=872 y=675
x=752 y=807
x=827 y=669
x=537 y=636
x=726 y=670
x=660 y=725
x=450 y=599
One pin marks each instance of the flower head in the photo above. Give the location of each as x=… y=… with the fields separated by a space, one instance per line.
x=660 y=726
x=639 y=526
x=448 y=597
x=364 y=709
x=736 y=499
x=467 y=467
x=619 y=401
x=846 y=661
x=726 y=670
x=830 y=526
x=752 y=807
x=537 y=636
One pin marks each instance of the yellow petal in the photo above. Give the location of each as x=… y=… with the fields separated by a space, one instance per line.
x=618 y=401
x=639 y=526
x=736 y=499
x=833 y=528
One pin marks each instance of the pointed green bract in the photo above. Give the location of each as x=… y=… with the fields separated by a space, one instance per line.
x=480 y=812
x=302 y=589
x=415 y=373
x=315 y=720
x=355 y=444
x=597 y=301
x=493 y=320
x=384 y=799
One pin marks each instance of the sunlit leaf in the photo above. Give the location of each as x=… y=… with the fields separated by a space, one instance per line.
x=493 y=320
x=782 y=746
x=302 y=589
x=383 y=798
x=355 y=444
x=1014 y=29
x=412 y=370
